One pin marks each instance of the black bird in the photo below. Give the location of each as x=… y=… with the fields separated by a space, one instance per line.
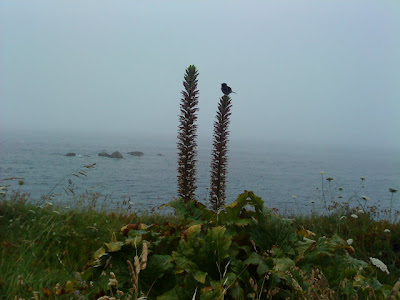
x=226 y=89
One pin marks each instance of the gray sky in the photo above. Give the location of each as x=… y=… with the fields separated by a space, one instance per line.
x=304 y=71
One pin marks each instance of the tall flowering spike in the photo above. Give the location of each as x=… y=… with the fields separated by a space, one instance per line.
x=187 y=136
x=219 y=161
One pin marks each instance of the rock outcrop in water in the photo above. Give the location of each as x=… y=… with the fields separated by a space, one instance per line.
x=70 y=154
x=115 y=154
x=136 y=153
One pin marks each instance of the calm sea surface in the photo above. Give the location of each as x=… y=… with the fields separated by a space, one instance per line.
x=286 y=177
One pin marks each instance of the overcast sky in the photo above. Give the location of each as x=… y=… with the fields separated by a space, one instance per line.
x=304 y=71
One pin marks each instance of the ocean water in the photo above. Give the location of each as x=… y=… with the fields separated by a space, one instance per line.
x=287 y=177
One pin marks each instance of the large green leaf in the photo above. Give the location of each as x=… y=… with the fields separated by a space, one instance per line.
x=302 y=246
x=217 y=242
x=114 y=246
x=172 y=294
x=178 y=292
x=192 y=243
x=282 y=264
x=157 y=265
x=183 y=263
x=159 y=275
x=254 y=259
x=193 y=232
x=134 y=242
x=99 y=253
x=214 y=291
x=191 y=210
x=236 y=213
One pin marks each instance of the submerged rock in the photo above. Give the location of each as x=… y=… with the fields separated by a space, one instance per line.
x=136 y=153
x=70 y=154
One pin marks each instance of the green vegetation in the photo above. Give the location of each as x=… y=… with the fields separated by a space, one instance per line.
x=42 y=245
x=246 y=251
x=219 y=162
x=187 y=134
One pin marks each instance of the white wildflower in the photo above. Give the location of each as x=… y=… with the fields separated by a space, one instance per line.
x=354 y=216
x=130 y=203
x=49 y=203
x=342 y=217
x=294 y=196
x=386 y=230
x=350 y=241
x=360 y=211
x=322 y=172
x=379 y=264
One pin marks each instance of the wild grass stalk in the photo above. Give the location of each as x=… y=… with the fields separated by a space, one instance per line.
x=392 y=191
x=323 y=190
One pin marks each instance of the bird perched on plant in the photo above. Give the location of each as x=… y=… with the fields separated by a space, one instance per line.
x=226 y=89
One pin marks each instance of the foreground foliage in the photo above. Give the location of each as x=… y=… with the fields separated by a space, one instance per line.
x=43 y=245
x=244 y=251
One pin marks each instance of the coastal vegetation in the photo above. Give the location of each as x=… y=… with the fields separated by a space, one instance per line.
x=241 y=250
x=187 y=134
x=246 y=251
x=219 y=162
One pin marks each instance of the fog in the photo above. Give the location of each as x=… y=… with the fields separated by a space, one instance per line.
x=305 y=72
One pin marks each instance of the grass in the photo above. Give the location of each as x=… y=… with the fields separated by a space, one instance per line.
x=42 y=245
x=369 y=237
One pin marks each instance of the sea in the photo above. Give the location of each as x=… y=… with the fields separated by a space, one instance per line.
x=291 y=178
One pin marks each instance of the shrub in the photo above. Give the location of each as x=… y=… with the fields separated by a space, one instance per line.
x=243 y=251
